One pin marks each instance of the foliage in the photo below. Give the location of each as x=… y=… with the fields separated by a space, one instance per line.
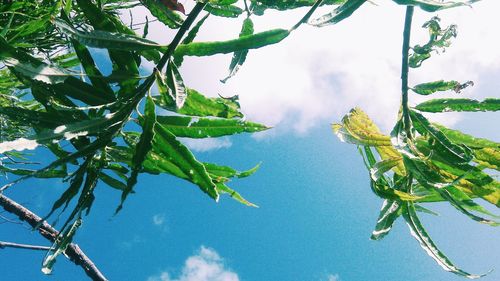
x=422 y=162
x=111 y=128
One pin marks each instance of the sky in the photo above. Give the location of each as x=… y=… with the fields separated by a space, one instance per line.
x=316 y=210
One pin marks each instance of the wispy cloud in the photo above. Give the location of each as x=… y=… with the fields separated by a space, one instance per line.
x=206 y=265
x=333 y=277
x=317 y=75
x=202 y=145
x=159 y=219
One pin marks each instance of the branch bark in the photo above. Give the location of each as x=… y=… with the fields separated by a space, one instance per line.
x=73 y=252
x=22 y=246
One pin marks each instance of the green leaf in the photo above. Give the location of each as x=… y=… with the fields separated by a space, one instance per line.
x=461 y=153
x=170 y=18
x=190 y=127
x=178 y=59
x=468 y=140
x=165 y=143
x=340 y=13
x=421 y=209
x=38 y=71
x=447 y=105
x=107 y=40
x=240 y=56
x=227 y=11
x=112 y=182
x=253 y=41
x=489 y=157
x=142 y=148
x=197 y=104
x=228 y=172
x=434 y=5
x=358 y=128
x=463 y=203
x=59 y=247
x=439 y=86
x=259 y=6
x=420 y=234
x=175 y=84
x=68 y=132
x=438 y=39
x=71 y=191
x=377 y=171
x=222 y=188
x=390 y=211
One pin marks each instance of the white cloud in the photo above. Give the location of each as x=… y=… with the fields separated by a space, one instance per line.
x=332 y=277
x=202 y=145
x=206 y=265
x=317 y=75
x=159 y=219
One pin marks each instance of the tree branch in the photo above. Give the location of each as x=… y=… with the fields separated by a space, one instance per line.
x=73 y=252
x=22 y=246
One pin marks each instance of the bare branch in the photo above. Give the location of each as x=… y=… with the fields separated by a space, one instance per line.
x=73 y=252
x=22 y=246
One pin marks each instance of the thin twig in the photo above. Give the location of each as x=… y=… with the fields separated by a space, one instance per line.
x=307 y=15
x=6 y=219
x=22 y=246
x=178 y=36
x=73 y=252
x=404 y=70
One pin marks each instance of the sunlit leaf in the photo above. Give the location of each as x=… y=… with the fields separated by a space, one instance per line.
x=439 y=86
x=340 y=13
x=107 y=40
x=447 y=105
x=144 y=145
x=167 y=16
x=166 y=144
x=192 y=127
x=390 y=211
x=59 y=247
x=420 y=234
x=253 y=41
x=240 y=56
x=434 y=5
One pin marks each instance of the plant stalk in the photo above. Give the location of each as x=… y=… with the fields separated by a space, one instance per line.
x=405 y=69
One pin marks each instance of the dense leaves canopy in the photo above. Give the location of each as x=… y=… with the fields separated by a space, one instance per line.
x=110 y=128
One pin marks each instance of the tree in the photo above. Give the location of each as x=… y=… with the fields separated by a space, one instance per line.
x=117 y=131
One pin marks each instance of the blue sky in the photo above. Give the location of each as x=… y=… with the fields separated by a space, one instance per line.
x=316 y=208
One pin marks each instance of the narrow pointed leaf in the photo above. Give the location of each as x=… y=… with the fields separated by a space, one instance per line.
x=176 y=85
x=439 y=86
x=192 y=127
x=420 y=234
x=227 y=11
x=222 y=188
x=197 y=104
x=59 y=247
x=253 y=41
x=166 y=144
x=434 y=5
x=388 y=214
x=142 y=148
x=447 y=105
x=170 y=18
x=340 y=13
x=461 y=153
x=108 y=40
x=240 y=56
